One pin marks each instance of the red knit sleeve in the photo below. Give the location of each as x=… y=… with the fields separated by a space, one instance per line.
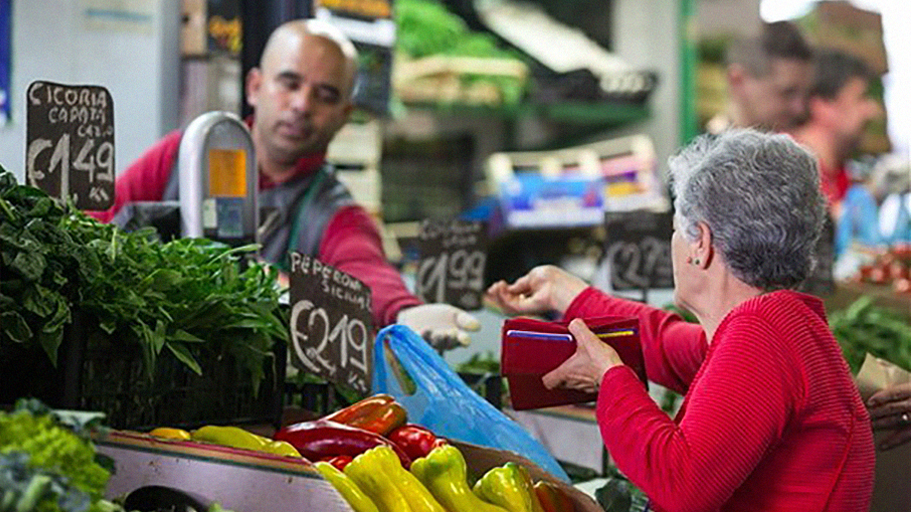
x=673 y=348
x=146 y=178
x=736 y=410
x=352 y=244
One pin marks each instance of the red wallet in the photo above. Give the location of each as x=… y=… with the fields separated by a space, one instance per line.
x=532 y=348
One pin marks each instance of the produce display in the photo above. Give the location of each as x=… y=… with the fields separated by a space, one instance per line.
x=173 y=297
x=380 y=463
x=426 y=28
x=131 y=305
x=864 y=327
x=892 y=268
x=46 y=466
x=48 y=463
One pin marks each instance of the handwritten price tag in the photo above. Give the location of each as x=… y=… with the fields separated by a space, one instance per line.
x=451 y=267
x=331 y=329
x=639 y=250
x=70 y=143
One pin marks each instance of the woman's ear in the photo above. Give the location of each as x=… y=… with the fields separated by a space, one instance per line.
x=701 y=248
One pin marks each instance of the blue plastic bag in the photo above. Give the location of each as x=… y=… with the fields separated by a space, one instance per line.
x=446 y=405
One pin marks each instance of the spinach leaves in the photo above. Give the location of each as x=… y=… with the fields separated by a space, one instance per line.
x=173 y=300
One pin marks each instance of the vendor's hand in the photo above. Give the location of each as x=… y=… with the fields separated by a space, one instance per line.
x=890 y=409
x=544 y=289
x=442 y=325
x=585 y=369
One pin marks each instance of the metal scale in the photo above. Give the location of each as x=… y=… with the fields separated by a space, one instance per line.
x=218 y=180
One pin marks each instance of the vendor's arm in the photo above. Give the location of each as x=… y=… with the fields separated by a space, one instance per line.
x=738 y=409
x=146 y=178
x=673 y=348
x=352 y=244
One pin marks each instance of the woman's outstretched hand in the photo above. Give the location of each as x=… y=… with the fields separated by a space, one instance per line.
x=544 y=289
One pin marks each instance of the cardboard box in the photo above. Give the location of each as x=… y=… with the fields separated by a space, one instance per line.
x=252 y=482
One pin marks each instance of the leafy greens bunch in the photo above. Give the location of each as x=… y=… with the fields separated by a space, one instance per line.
x=181 y=297
x=864 y=327
x=47 y=467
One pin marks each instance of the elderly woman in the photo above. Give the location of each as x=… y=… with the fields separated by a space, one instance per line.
x=771 y=419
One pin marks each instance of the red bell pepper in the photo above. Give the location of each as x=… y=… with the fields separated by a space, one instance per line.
x=415 y=440
x=339 y=461
x=318 y=439
x=552 y=498
x=379 y=414
x=364 y=407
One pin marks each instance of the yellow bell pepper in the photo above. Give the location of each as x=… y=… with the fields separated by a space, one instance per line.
x=383 y=459
x=444 y=472
x=376 y=484
x=170 y=433
x=510 y=487
x=346 y=487
x=281 y=448
x=236 y=437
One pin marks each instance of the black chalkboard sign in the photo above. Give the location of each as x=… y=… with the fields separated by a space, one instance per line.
x=451 y=266
x=331 y=323
x=70 y=143
x=638 y=250
x=822 y=280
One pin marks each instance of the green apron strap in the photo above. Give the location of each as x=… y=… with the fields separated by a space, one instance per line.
x=299 y=216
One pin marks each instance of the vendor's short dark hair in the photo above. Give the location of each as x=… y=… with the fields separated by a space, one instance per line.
x=778 y=40
x=832 y=71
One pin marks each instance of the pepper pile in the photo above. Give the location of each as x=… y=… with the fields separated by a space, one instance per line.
x=375 y=481
x=366 y=450
x=375 y=421
x=379 y=462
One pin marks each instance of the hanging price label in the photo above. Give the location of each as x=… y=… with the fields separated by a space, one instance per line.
x=70 y=143
x=451 y=266
x=638 y=250
x=331 y=329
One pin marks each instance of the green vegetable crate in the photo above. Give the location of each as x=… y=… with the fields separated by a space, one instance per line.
x=96 y=318
x=100 y=376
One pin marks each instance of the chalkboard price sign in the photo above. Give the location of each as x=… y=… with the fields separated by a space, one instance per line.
x=70 y=143
x=331 y=329
x=451 y=266
x=638 y=250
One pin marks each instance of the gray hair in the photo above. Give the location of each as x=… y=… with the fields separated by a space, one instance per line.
x=759 y=194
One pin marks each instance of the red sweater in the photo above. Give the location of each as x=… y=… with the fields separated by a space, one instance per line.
x=351 y=241
x=771 y=420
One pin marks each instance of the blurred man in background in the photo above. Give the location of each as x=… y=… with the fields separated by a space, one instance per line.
x=838 y=110
x=767 y=80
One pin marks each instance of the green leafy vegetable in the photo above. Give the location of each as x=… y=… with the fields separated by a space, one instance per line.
x=864 y=327
x=192 y=296
x=426 y=27
x=45 y=466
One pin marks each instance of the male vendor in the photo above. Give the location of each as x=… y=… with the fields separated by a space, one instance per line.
x=302 y=95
